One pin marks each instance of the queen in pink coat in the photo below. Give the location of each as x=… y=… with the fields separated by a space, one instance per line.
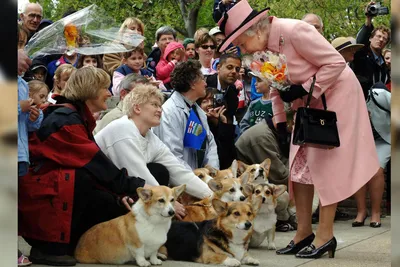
x=335 y=174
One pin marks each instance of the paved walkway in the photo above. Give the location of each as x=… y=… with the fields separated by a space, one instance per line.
x=357 y=247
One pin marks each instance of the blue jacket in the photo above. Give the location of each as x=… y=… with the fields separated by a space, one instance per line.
x=125 y=70
x=24 y=124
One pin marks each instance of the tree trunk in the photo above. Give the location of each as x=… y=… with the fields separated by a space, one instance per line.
x=191 y=22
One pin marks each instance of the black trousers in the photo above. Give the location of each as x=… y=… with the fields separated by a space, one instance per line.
x=92 y=206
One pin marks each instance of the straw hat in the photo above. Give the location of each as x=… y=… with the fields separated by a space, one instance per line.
x=237 y=20
x=341 y=43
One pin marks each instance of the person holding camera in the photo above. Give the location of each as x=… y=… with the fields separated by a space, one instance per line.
x=222 y=6
x=224 y=80
x=224 y=132
x=369 y=64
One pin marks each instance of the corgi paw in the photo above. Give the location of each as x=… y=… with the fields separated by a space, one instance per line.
x=155 y=261
x=250 y=261
x=143 y=262
x=231 y=262
x=162 y=256
x=272 y=246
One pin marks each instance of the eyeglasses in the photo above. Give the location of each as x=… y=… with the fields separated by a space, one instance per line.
x=33 y=16
x=205 y=47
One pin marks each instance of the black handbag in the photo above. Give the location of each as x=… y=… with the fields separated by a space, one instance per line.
x=316 y=127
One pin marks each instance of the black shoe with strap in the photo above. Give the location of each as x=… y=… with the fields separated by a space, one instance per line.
x=293 y=248
x=38 y=257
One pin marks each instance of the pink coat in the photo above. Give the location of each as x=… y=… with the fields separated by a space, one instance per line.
x=338 y=173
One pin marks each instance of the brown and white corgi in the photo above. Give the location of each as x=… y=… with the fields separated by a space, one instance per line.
x=204 y=173
x=227 y=190
x=264 y=223
x=230 y=172
x=200 y=211
x=135 y=236
x=255 y=173
x=223 y=240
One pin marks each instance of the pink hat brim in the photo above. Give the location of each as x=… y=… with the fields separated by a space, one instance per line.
x=235 y=34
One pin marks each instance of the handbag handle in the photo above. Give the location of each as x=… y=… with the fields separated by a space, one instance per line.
x=310 y=95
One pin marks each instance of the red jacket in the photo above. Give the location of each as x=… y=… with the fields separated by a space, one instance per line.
x=63 y=144
x=164 y=68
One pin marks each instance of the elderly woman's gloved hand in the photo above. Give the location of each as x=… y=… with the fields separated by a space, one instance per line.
x=295 y=91
x=283 y=138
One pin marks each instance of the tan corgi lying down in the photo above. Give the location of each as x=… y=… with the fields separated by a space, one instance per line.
x=135 y=236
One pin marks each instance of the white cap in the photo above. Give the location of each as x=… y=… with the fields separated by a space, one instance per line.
x=214 y=30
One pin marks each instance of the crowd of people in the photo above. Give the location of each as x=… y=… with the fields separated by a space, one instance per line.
x=93 y=129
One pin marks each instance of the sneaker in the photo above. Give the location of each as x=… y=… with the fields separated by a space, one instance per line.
x=23 y=261
x=38 y=257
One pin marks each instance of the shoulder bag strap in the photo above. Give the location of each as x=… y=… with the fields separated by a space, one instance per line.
x=310 y=95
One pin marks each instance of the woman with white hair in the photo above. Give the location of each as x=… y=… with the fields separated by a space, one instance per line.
x=336 y=173
x=130 y=144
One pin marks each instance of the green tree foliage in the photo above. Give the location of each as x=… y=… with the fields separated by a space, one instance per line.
x=341 y=17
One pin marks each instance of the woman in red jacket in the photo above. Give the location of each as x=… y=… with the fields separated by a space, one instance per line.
x=71 y=184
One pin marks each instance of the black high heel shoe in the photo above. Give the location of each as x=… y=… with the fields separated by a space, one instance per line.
x=293 y=248
x=311 y=252
x=359 y=224
x=375 y=224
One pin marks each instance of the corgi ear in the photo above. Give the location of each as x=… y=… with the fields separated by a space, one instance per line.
x=234 y=168
x=219 y=206
x=248 y=190
x=266 y=164
x=245 y=178
x=213 y=171
x=178 y=190
x=144 y=194
x=256 y=203
x=241 y=167
x=279 y=190
x=215 y=185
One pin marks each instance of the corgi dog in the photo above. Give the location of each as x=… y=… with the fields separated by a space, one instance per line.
x=204 y=173
x=223 y=240
x=227 y=190
x=231 y=172
x=264 y=223
x=135 y=236
x=256 y=173
x=200 y=211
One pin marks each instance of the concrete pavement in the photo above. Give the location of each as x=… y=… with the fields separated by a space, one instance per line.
x=357 y=247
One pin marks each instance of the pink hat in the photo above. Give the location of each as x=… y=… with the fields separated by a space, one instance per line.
x=237 y=20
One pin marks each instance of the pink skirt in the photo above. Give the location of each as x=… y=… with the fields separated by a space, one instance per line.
x=300 y=173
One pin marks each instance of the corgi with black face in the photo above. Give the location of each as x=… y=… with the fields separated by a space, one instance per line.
x=135 y=236
x=223 y=240
x=264 y=223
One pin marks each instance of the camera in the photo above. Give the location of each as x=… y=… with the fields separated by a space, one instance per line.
x=377 y=10
x=218 y=100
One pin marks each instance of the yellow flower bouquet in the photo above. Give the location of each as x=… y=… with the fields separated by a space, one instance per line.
x=270 y=67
